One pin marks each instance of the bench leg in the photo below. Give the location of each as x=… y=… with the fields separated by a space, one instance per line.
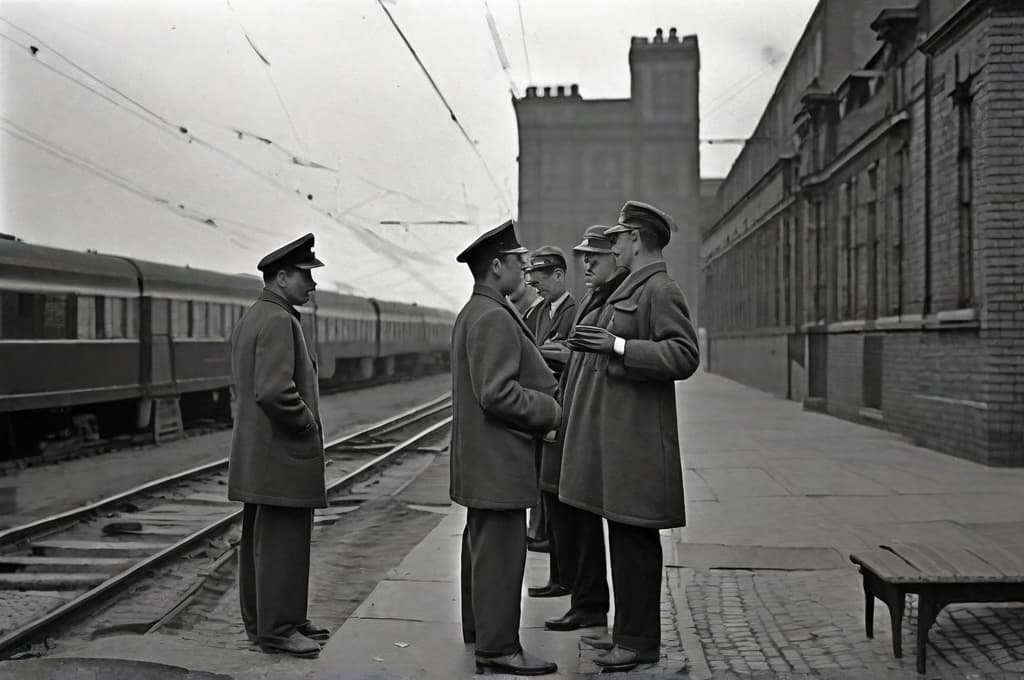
x=896 y=601
x=869 y=609
x=928 y=608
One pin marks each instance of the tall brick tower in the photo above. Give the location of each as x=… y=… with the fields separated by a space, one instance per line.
x=580 y=160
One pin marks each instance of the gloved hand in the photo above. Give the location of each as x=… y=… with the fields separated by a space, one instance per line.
x=592 y=339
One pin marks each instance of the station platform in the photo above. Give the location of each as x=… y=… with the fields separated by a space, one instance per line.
x=758 y=585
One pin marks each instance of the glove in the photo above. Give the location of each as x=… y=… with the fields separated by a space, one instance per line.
x=592 y=339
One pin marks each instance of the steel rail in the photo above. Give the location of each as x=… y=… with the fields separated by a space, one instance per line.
x=17 y=533
x=26 y=632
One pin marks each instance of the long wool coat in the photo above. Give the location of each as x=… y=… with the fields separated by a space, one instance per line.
x=503 y=402
x=277 y=447
x=586 y=313
x=621 y=452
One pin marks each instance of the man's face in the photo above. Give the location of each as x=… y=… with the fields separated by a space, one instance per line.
x=623 y=247
x=597 y=268
x=511 y=275
x=296 y=284
x=547 y=281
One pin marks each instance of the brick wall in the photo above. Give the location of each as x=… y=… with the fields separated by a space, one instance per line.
x=759 y=361
x=845 y=367
x=999 y=178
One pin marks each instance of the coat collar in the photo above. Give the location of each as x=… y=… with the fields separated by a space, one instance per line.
x=270 y=296
x=486 y=291
x=635 y=280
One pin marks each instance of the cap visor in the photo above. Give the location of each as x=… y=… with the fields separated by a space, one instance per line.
x=309 y=265
x=592 y=249
x=514 y=251
x=617 y=229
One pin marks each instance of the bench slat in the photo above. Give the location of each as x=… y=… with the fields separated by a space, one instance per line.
x=946 y=561
x=888 y=566
x=1009 y=559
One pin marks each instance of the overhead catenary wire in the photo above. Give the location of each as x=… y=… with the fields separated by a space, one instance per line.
x=270 y=77
x=526 y=52
x=370 y=239
x=165 y=126
x=490 y=175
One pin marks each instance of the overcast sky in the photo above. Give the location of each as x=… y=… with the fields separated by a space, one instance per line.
x=314 y=116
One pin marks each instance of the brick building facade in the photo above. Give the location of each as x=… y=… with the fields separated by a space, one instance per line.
x=875 y=270
x=580 y=160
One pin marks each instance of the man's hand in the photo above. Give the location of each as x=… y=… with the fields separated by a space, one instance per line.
x=592 y=339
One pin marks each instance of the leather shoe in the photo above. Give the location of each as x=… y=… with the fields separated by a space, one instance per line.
x=622 y=659
x=314 y=632
x=542 y=546
x=598 y=641
x=574 y=620
x=550 y=590
x=520 y=663
x=295 y=644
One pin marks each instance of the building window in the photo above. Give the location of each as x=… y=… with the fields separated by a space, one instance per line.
x=874 y=274
x=965 y=181
x=895 y=234
x=843 y=253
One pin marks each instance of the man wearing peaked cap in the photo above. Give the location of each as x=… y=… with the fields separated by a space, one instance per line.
x=577 y=536
x=546 y=272
x=501 y=240
x=298 y=254
x=644 y=218
x=503 y=404
x=640 y=342
x=277 y=455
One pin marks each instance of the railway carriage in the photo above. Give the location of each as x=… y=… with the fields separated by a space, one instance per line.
x=346 y=337
x=90 y=342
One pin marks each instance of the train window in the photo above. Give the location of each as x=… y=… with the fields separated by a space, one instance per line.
x=113 y=317
x=199 y=328
x=321 y=328
x=179 y=318
x=158 y=313
x=131 y=318
x=86 y=317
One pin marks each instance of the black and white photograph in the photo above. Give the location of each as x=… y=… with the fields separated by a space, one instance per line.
x=443 y=339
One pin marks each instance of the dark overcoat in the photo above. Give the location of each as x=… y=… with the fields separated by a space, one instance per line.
x=277 y=447
x=586 y=313
x=552 y=332
x=503 y=403
x=621 y=457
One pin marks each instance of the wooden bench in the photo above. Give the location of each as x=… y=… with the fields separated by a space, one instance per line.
x=938 y=575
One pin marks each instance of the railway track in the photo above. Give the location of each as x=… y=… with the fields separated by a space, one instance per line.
x=80 y=558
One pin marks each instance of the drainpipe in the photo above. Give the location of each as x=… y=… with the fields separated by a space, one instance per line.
x=928 y=67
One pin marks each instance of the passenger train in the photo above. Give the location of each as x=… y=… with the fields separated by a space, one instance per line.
x=105 y=338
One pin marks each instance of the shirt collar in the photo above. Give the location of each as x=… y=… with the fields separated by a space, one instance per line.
x=556 y=304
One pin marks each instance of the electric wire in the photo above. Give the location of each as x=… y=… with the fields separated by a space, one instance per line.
x=451 y=112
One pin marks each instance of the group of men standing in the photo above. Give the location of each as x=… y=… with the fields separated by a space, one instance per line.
x=570 y=409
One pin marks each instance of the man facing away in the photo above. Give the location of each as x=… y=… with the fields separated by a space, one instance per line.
x=577 y=536
x=277 y=455
x=626 y=466
x=503 y=396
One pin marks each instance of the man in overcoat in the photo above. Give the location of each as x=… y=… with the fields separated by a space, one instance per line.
x=626 y=467
x=504 y=403
x=550 y=323
x=276 y=466
x=577 y=536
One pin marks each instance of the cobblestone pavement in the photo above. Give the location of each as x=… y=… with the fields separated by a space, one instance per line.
x=810 y=624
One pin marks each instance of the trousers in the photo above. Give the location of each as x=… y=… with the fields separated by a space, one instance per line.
x=636 y=559
x=577 y=543
x=273 y=569
x=493 y=564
